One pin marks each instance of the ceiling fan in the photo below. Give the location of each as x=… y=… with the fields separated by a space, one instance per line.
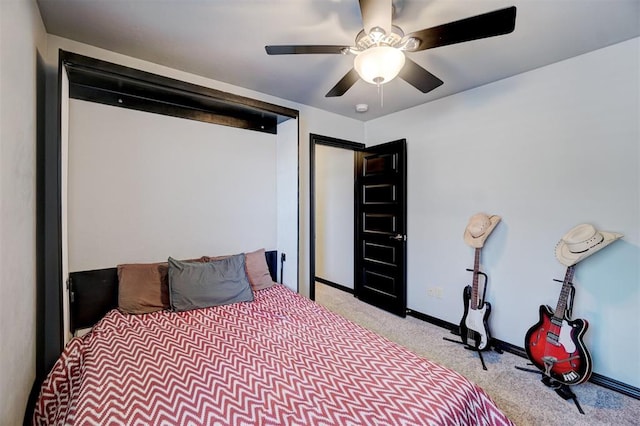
x=381 y=46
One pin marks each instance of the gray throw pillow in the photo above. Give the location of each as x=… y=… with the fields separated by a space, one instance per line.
x=200 y=285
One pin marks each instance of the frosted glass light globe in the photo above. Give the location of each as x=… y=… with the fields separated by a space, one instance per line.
x=379 y=64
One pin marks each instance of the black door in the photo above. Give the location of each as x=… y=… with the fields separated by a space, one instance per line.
x=381 y=212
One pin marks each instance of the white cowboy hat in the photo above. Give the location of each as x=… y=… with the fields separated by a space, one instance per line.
x=479 y=227
x=582 y=241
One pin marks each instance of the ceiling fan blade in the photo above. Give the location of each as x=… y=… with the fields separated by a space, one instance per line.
x=490 y=24
x=418 y=77
x=376 y=13
x=302 y=49
x=344 y=84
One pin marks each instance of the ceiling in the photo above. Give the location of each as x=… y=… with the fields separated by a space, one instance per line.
x=224 y=40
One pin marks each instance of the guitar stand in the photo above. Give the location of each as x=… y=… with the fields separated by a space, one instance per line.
x=484 y=366
x=471 y=348
x=564 y=391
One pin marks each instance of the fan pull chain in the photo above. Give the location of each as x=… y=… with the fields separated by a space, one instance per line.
x=381 y=94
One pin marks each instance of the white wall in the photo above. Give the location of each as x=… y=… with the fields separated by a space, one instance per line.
x=287 y=199
x=22 y=37
x=155 y=186
x=546 y=150
x=334 y=214
x=64 y=207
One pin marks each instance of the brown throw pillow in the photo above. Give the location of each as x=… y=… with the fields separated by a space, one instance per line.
x=257 y=270
x=143 y=287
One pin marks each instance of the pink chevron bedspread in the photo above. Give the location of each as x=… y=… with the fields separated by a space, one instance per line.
x=279 y=360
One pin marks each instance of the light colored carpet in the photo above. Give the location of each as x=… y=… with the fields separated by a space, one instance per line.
x=521 y=395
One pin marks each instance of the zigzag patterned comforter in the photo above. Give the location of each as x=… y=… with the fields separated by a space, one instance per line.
x=280 y=360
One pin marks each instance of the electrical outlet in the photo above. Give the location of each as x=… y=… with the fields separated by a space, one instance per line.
x=435 y=292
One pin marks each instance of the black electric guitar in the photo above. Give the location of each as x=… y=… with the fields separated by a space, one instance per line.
x=554 y=345
x=473 y=327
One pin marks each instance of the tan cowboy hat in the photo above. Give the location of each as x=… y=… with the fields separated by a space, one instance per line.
x=582 y=241
x=479 y=227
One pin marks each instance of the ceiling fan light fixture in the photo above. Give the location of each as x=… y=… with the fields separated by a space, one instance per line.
x=379 y=64
x=376 y=34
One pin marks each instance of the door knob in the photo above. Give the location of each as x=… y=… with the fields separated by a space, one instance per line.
x=398 y=237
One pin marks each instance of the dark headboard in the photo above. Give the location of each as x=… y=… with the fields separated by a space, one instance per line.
x=94 y=293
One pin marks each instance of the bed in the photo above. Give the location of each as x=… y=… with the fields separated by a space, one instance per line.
x=280 y=359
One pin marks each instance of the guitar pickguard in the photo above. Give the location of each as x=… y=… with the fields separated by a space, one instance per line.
x=565 y=338
x=475 y=321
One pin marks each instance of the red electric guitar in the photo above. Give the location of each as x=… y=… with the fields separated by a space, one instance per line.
x=554 y=345
x=473 y=326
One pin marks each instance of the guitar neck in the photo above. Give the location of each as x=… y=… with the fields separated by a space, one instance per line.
x=475 y=302
x=564 y=295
